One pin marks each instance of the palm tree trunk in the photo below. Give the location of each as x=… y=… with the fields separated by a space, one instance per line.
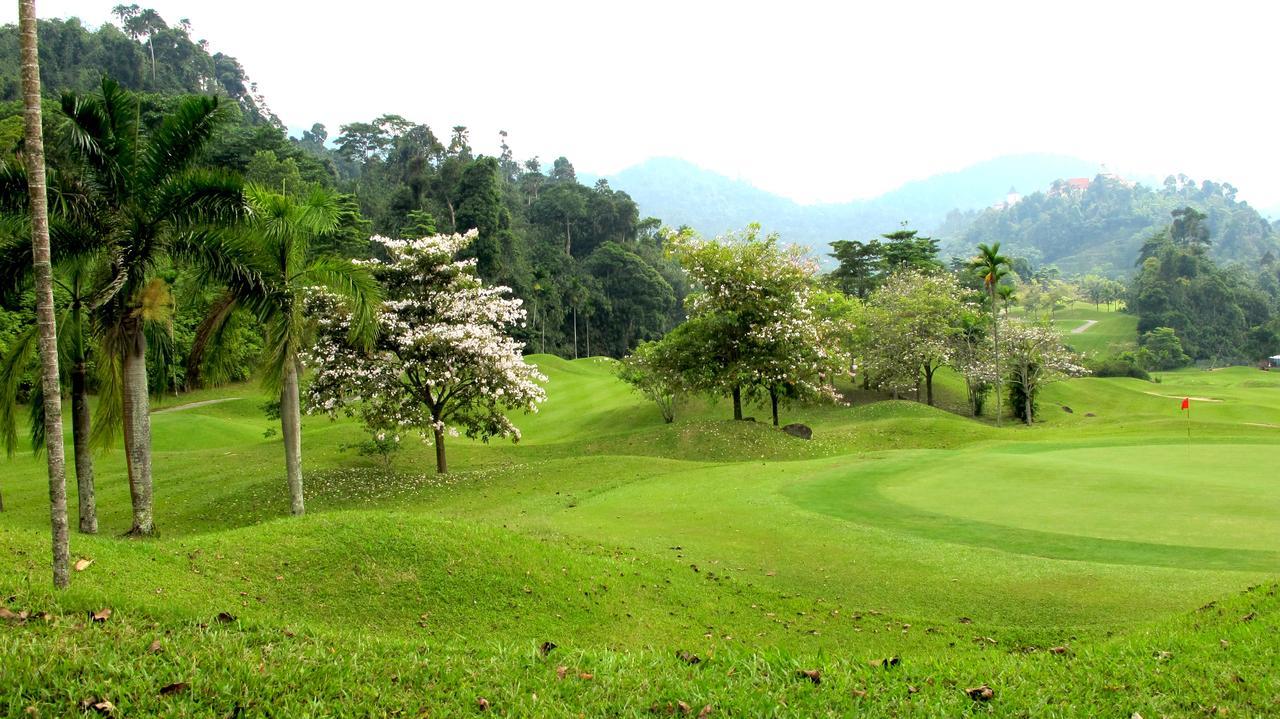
x=442 y=465
x=33 y=151
x=995 y=339
x=137 y=411
x=291 y=430
x=80 y=431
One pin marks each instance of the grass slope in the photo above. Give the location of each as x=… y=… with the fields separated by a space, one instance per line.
x=900 y=530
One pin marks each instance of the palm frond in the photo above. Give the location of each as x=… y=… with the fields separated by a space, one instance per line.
x=181 y=136
x=208 y=358
x=109 y=414
x=283 y=342
x=227 y=258
x=35 y=411
x=199 y=196
x=353 y=283
x=13 y=365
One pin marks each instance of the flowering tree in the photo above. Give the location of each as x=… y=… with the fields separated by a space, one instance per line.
x=443 y=362
x=914 y=320
x=1036 y=357
x=653 y=371
x=974 y=359
x=752 y=328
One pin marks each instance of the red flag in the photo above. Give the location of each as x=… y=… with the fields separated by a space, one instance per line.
x=1186 y=403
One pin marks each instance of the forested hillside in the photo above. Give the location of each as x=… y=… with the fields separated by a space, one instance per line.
x=586 y=264
x=144 y=53
x=1101 y=228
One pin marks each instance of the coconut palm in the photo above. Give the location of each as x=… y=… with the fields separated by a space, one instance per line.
x=156 y=206
x=992 y=266
x=278 y=233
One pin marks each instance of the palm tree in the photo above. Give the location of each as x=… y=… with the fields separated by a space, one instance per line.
x=993 y=266
x=33 y=153
x=155 y=205
x=278 y=234
x=75 y=350
x=1008 y=297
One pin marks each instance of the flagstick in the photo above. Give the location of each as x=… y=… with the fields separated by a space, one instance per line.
x=1188 y=431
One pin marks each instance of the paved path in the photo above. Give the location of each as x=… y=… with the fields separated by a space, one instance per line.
x=1087 y=324
x=193 y=405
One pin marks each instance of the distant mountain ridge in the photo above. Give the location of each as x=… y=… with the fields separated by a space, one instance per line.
x=681 y=193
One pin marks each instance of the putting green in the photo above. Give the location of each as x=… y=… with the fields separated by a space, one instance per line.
x=1203 y=506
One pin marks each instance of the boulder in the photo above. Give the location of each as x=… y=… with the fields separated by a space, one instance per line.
x=798 y=430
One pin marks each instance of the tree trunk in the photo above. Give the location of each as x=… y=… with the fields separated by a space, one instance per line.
x=995 y=339
x=80 y=430
x=137 y=411
x=33 y=152
x=575 y=332
x=568 y=239
x=587 y=320
x=737 y=402
x=453 y=219
x=928 y=383
x=1026 y=398
x=773 y=402
x=291 y=430
x=442 y=465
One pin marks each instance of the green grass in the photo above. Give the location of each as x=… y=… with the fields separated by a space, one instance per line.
x=900 y=530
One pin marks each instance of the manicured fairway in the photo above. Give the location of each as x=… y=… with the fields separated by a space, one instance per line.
x=900 y=530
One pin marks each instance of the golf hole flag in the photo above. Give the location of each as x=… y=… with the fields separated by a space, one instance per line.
x=1186 y=403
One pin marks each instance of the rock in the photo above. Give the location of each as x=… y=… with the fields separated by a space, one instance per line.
x=1067 y=409
x=748 y=419
x=1090 y=414
x=798 y=430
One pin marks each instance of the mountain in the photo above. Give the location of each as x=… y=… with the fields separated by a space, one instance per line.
x=682 y=193
x=1099 y=225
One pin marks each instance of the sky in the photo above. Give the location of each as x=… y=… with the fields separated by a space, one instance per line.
x=816 y=101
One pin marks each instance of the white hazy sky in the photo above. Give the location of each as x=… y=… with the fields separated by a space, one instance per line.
x=815 y=101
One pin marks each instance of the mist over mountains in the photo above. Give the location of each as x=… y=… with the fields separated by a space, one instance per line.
x=681 y=193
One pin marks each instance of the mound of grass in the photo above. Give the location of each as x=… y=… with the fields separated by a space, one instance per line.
x=626 y=542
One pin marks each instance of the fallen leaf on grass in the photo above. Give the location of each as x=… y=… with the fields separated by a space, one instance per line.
x=688 y=657
x=483 y=704
x=885 y=663
x=1249 y=617
x=981 y=693
x=1163 y=656
x=683 y=707
x=174 y=688
x=83 y=564
x=101 y=615
x=546 y=648
x=966 y=620
x=706 y=712
x=859 y=694
x=6 y=613
x=226 y=617
x=1058 y=650
x=561 y=672
x=156 y=647
x=102 y=706
x=586 y=676
x=813 y=675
